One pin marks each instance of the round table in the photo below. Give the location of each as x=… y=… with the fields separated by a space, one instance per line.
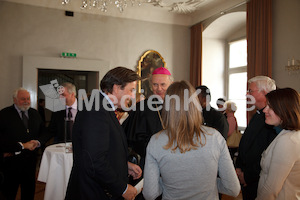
x=55 y=171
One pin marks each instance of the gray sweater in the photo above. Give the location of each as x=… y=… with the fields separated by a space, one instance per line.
x=191 y=175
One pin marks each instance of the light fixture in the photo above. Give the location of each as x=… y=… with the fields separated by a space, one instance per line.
x=176 y=6
x=104 y=4
x=292 y=67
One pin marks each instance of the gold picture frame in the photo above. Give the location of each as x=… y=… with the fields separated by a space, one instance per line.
x=148 y=62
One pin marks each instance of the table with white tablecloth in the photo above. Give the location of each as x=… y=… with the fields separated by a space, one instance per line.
x=55 y=171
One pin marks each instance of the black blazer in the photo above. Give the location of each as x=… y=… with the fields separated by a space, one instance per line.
x=141 y=125
x=257 y=137
x=215 y=119
x=57 y=126
x=100 y=168
x=12 y=129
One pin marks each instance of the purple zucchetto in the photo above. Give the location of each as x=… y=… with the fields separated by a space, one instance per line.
x=161 y=70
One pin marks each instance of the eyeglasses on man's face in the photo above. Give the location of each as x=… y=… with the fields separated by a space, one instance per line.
x=251 y=91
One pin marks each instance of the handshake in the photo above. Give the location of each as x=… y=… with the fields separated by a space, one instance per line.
x=31 y=145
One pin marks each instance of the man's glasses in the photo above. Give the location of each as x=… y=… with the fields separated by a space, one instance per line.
x=251 y=91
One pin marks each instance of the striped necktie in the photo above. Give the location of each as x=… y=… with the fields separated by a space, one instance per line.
x=25 y=120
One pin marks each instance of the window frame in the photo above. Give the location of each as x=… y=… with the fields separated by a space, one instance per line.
x=234 y=70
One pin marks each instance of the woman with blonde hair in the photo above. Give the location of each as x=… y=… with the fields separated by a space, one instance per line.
x=184 y=159
x=280 y=163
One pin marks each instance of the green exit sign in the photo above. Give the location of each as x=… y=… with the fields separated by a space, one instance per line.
x=68 y=55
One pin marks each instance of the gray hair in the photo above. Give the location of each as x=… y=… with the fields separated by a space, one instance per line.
x=171 y=79
x=263 y=83
x=70 y=87
x=15 y=94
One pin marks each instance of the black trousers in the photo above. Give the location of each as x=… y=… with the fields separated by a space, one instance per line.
x=19 y=170
x=250 y=191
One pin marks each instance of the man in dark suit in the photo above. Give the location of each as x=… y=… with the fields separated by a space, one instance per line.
x=41 y=109
x=62 y=121
x=21 y=132
x=212 y=117
x=145 y=120
x=100 y=152
x=257 y=137
x=7 y=149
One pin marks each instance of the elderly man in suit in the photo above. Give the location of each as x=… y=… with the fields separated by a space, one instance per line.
x=257 y=137
x=21 y=132
x=100 y=152
x=145 y=120
x=61 y=123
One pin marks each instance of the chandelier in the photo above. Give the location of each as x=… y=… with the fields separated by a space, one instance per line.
x=177 y=6
x=103 y=4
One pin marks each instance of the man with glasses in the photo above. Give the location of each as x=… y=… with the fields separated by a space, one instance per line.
x=146 y=119
x=257 y=137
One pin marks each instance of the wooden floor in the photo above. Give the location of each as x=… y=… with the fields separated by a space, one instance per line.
x=40 y=189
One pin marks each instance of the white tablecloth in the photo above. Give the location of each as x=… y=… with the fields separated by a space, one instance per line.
x=55 y=171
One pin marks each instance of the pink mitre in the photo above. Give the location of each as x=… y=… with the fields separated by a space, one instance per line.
x=161 y=70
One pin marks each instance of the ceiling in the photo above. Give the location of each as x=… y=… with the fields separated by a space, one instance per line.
x=180 y=12
x=224 y=26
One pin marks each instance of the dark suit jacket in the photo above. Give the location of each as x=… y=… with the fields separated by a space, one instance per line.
x=257 y=137
x=217 y=120
x=100 y=167
x=140 y=126
x=57 y=126
x=12 y=129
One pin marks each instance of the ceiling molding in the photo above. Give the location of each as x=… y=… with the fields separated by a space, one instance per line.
x=177 y=12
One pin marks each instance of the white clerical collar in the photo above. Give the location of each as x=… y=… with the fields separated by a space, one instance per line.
x=260 y=111
x=108 y=99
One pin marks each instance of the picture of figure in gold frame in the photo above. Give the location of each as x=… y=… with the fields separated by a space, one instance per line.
x=148 y=63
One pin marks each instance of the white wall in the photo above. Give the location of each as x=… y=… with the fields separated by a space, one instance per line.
x=213 y=75
x=37 y=31
x=286 y=41
x=216 y=36
x=239 y=34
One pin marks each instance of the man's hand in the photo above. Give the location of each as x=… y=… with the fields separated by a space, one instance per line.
x=130 y=193
x=134 y=170
x=7 y=155
x=31 y=145
x=240 y=175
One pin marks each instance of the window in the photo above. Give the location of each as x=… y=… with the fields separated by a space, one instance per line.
x=237 y=79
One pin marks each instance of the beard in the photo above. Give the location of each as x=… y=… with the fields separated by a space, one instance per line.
x=24 y=107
